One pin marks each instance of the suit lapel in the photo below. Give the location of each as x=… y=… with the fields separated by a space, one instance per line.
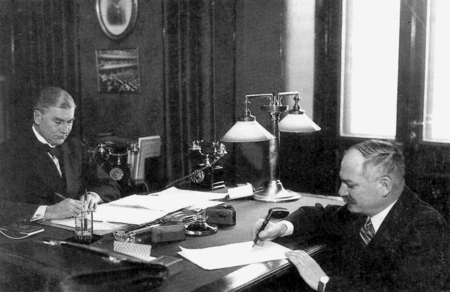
x=44 y=167
x=396 y=220
x=72 y=169
x=387 y=237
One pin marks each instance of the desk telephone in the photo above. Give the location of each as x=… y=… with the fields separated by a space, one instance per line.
x=208 y=172
x=118 y=157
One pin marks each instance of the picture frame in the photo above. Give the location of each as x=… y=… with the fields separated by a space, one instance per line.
x=117 y=17
x=118 y=71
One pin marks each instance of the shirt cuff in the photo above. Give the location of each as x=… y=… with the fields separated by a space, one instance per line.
x=289 y=228
x=39 y=214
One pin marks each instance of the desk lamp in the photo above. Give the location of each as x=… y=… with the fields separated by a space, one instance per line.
x=247 y=129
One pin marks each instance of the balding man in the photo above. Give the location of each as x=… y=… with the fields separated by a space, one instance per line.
x=385 y=237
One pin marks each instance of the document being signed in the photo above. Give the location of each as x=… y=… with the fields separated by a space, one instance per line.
x=235 y=254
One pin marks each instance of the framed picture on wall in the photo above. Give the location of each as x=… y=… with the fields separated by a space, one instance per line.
x=117 y=17
x=118 y=71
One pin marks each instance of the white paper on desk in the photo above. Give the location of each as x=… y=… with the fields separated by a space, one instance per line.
x=98 y=226
x=141 y=209
x=240 y=192
x=169 y=200
x=173 y=192
x=127 y=215
x=235 y=254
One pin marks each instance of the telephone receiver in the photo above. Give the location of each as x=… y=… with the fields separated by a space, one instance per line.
x=277 y=213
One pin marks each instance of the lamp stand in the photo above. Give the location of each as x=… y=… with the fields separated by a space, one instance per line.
x=274 y=191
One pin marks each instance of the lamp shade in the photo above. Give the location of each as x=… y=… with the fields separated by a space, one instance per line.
x=247 y=131
x=297 y=122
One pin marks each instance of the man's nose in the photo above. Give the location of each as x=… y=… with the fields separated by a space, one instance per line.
x=65 y=129
x=343 y=191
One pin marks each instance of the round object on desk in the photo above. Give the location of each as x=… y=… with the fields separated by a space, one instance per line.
x=199 y=227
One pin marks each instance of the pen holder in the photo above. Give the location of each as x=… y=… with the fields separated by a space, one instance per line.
x=83 y=227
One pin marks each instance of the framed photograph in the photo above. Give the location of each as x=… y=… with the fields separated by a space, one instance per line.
x=118 y=71
x=117 y=17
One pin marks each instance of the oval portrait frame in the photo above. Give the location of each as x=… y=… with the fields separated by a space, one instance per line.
x=117 y=17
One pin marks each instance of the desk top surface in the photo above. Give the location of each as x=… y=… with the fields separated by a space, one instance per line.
x=193 y=277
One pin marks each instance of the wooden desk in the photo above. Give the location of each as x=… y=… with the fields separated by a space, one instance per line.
x=194 y=278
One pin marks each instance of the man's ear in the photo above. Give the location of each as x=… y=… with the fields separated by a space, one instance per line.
x=37 y=117
x=385 y=185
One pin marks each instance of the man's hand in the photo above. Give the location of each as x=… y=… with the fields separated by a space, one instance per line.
x=91 y=200
x=272 y=231
x=64 y=209
x=308 y=268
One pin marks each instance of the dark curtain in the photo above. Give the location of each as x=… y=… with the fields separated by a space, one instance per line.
x=40 y=50
x=189 y=108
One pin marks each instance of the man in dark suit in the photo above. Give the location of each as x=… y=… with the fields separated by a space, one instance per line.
x=44 y=174
x=385 y=237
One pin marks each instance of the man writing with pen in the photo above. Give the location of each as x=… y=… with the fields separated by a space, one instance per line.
x=385 y=238
x=44 y=174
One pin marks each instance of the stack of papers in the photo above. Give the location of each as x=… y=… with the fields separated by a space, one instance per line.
x=142 y=209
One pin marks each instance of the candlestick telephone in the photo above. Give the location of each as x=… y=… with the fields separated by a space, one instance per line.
x=117 y=156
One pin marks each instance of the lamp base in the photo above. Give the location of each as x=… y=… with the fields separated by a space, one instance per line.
x=274 y=193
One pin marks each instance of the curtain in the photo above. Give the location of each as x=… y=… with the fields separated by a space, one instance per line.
x=189 y=109
x=40 y=50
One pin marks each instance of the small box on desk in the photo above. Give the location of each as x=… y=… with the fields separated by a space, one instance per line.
x=163 y=233
x=222 y=214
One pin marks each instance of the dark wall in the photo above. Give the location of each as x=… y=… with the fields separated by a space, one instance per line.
x=129 y=115
x=240 y=54
x=197 y=61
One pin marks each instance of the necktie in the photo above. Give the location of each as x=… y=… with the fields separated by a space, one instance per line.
x=56 y=152
x=367 y=232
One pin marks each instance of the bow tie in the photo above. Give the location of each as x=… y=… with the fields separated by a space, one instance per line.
x=52 y=150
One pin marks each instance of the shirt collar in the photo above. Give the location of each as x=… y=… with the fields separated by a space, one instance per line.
x=40 y=138
x=379 y=218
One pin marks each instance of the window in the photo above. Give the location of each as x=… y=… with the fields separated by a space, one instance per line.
x=370 y=45
x=437 y=89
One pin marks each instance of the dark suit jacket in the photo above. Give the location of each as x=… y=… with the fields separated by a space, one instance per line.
x=409 y=252
x=29 y=178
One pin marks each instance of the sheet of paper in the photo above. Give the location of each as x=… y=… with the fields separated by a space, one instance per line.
x=169 y=200
x=235 y=254
x=141 y=209
x=100 y=228
x=127 y=215
x=173 y=192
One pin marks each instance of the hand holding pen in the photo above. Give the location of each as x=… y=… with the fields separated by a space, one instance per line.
x=277 y=213
x=91 y=200
x=64 y=209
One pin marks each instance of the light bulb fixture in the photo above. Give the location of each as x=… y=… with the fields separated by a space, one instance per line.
x=297 y=121
x=247 y=129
